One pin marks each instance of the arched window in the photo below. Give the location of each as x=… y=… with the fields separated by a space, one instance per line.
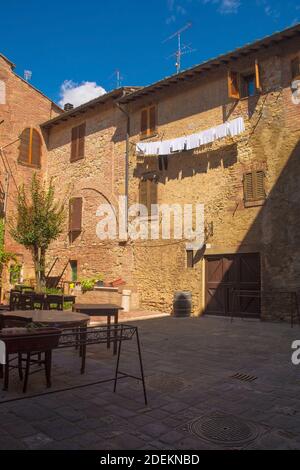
x=30 y=147
x=2 y=92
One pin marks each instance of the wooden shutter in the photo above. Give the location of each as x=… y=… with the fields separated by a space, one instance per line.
x=257 y=77
x=74 y=144
x=35 y=148
x=143 y=193
x=254 y=186
x=295 y=66
x=81 y=140
x=75 y=214
x=233 y=85
x=24 y=146
x=152 y=119
x=152 y=196
x=248 y=187
x=259 y=185
x=144 y=122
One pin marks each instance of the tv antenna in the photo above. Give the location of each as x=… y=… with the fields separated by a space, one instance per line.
x=118 y=79
x=27 y=75
x=182 y=48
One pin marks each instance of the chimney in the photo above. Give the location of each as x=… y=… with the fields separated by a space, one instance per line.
x=68 y=107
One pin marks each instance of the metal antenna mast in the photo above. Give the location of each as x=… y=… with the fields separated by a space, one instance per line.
x=182 y=48
x=118 y=78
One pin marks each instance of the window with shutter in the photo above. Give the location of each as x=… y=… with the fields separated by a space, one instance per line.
x=233 y=85
x=30 y=147
x=148 y=194
x=148 y=121
x=75 y=215
x=254 y=188
x=295 y=67
x=78 y=142
x=244 y=84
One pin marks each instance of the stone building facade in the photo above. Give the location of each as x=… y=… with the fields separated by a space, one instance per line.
x=250 y=244
x=22 y=109
x=96 y=177
x=248 y=183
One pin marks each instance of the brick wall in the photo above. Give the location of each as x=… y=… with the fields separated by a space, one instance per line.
x=24 y=107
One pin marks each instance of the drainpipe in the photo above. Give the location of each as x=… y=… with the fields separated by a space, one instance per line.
x=126 y=161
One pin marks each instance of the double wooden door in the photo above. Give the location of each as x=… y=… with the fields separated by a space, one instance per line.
x=226 y=273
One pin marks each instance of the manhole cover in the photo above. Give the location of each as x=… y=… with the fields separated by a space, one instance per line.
x=223 y=429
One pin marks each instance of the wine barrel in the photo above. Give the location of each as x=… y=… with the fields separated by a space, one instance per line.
x=182 y=305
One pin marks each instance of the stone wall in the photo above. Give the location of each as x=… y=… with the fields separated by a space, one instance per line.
x=98 y=179
x=214 y=176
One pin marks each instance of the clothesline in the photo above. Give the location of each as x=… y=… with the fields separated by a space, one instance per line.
x=167 y=147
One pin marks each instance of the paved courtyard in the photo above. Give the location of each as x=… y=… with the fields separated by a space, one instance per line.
x=196 y=401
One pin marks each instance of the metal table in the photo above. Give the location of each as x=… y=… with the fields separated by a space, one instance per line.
x=101 y=310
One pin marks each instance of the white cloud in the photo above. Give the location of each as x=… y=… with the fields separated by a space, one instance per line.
x=77 y=94
x=226 y=7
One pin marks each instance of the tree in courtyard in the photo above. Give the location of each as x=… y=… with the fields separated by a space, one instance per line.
x=38 y=221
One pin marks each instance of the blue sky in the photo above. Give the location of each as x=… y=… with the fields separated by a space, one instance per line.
x=87 y=41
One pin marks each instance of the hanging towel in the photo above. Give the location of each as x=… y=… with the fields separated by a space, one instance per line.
x=236 y=127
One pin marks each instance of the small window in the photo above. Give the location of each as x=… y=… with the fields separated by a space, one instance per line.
x=74 y=270
x=190 y=259
x=242 y=85
x=148 y=121
x=248 y=87
x=78 y=142
x=254 y=188
x=148 y=194
x=75 y=215
x=295 y=68
x=30 y=147
x=2 y=92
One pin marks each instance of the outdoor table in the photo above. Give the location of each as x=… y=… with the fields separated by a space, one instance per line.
x=52 y=317
x=59 y=319
x=101 y=310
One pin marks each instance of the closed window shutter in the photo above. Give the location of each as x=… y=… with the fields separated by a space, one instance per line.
x=81 y=140
x=30 y=147
x=75 y=214
x=24 y=146
x=254 y=186
x=258 y=185
x=257 y=77
x=152 y=119
x=144 y=122
x=143 y=193
x=74 y=144
x=295 y=66
x=35 y=148
x=152 y=196
x=248 y=187
x=233 y=85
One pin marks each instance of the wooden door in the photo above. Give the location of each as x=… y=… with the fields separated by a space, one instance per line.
x=224 y=273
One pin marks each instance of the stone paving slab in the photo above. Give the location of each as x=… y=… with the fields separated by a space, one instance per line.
x=189 y=364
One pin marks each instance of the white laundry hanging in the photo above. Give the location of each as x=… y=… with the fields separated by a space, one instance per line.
x=167 y=147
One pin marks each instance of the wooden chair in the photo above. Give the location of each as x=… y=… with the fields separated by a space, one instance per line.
x=12 y=321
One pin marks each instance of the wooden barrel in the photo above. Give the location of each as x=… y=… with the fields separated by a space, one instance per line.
x=182 y=305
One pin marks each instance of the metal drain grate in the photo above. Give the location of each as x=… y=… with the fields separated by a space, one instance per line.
x=223 y=430
x=244 y=377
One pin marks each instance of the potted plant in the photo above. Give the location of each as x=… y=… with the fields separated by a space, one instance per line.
x=100 y=280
